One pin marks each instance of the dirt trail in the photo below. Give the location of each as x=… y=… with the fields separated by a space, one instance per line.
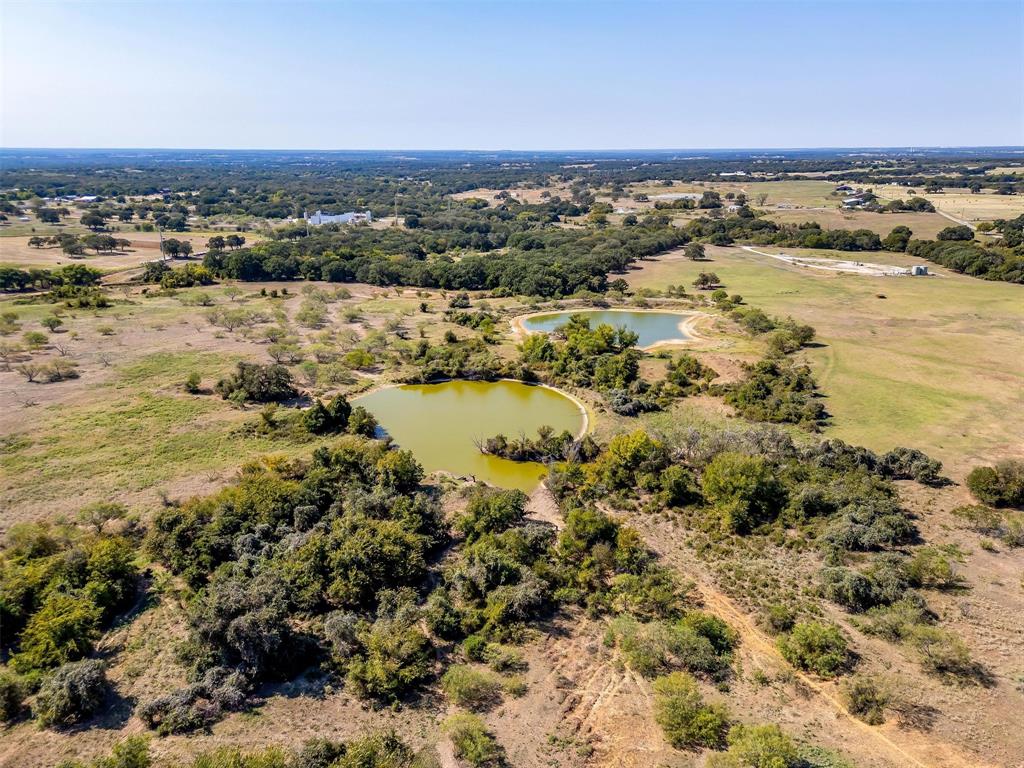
x=922 y=753
x=542 y=506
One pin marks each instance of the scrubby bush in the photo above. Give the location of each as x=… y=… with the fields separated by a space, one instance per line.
x=816 y=647
x=1001 y=485
x=744 y=490
x=392 y=661
x=472 y=688
x=910 y=464
x=12 y=694
x=133 y=752
x=944 y=654
x=257 y=383
x=472 y=741
x=866 y=699
x=687 y=721
x=491 y=511
x=72 y=693
x=757 y=746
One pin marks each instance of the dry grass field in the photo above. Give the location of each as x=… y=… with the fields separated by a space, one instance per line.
x=961 y=204
x=145 y=246
x=923 y=225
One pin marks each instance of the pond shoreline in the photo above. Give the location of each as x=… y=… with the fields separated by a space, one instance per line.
x=687 y=325
x=584 y=411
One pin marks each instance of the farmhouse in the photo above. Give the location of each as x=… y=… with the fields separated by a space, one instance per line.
x=351 y=217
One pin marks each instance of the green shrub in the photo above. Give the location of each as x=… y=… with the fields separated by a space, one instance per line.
x=472 y=741
x=133 y=752
x=684 y=717
x=816 y=647
x=392 y=661
x=491 y=510
x=1001 y=485
x=63 y=630
x=12 y=694
x=72 y=693
x=382 y=750
x=944 y=654
x=743 y=489
x=472 y=688
x=257 y=383
x=866 y=699
x=757 y=746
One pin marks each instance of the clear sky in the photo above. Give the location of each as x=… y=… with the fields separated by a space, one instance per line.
x=511 y=75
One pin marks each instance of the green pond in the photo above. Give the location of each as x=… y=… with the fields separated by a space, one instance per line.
x=651 y=327
x=440 y=422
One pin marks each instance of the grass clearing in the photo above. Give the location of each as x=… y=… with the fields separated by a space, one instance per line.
x=937 y=364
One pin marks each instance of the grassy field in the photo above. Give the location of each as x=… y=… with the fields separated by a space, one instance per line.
x=145 y=246
x=936 y=364
x=923 y=225
x=984 y=206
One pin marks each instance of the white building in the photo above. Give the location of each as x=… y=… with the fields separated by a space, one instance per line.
x=352 y=217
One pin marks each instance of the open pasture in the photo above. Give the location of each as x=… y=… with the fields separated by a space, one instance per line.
x=961 y=204
x=924 y=225
x=934 y=363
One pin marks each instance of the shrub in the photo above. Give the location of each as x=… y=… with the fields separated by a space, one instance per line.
x=472 y=741
x=757 y=746
x=816 y=647
x=12 y=694
x=866 y=699
x=193 y=382
x=1001 y=485
x=944 y=654
x=743 y=489
x=491 y=511
x=910 y=464
x=392 y=661
x=63 y=630
x=133 y=752
x=684 y=717
x=362 y=422
x=257 y=383
x=471 y=688
x=72 y=693
x=382 y=750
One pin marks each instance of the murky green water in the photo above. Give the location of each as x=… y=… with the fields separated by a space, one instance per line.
x=439 y=423
x=651 y=327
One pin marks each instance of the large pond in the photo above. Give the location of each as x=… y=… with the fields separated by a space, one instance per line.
x=440 y=423
x=652 y=327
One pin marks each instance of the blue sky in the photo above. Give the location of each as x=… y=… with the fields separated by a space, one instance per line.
x=515 y=75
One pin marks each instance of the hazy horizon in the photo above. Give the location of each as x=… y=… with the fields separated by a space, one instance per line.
x=431 y=76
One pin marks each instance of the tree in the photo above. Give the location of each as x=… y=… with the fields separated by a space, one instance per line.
x=687 y=721
x=1001 y=485
x=897 y=239
x=743 y=489
x=93 y=220
x=216 y=243
x=48 y=216
x=816 y=647
x=706 y=280
x=959 y=232
x=62 y=630
x=51 y=323
x=234 y=241
x=72 y=693
x=757 y=746
x=694 y=251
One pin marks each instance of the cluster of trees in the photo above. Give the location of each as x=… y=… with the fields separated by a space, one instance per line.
x=72 y=275
x=338 y=559
x=546 y=447
x=166 y=276
x=539 y=261
x=60 y=587
x=972 y=259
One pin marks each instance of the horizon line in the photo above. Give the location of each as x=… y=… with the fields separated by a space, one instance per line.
x=1011 y=147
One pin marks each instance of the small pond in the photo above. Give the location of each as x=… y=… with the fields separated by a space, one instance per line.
x=440 y=422
x=652 y=327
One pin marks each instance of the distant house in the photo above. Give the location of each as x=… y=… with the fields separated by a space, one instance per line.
x=919 y=269
x=844 y=188
x=352 y=217
x=852 y=202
